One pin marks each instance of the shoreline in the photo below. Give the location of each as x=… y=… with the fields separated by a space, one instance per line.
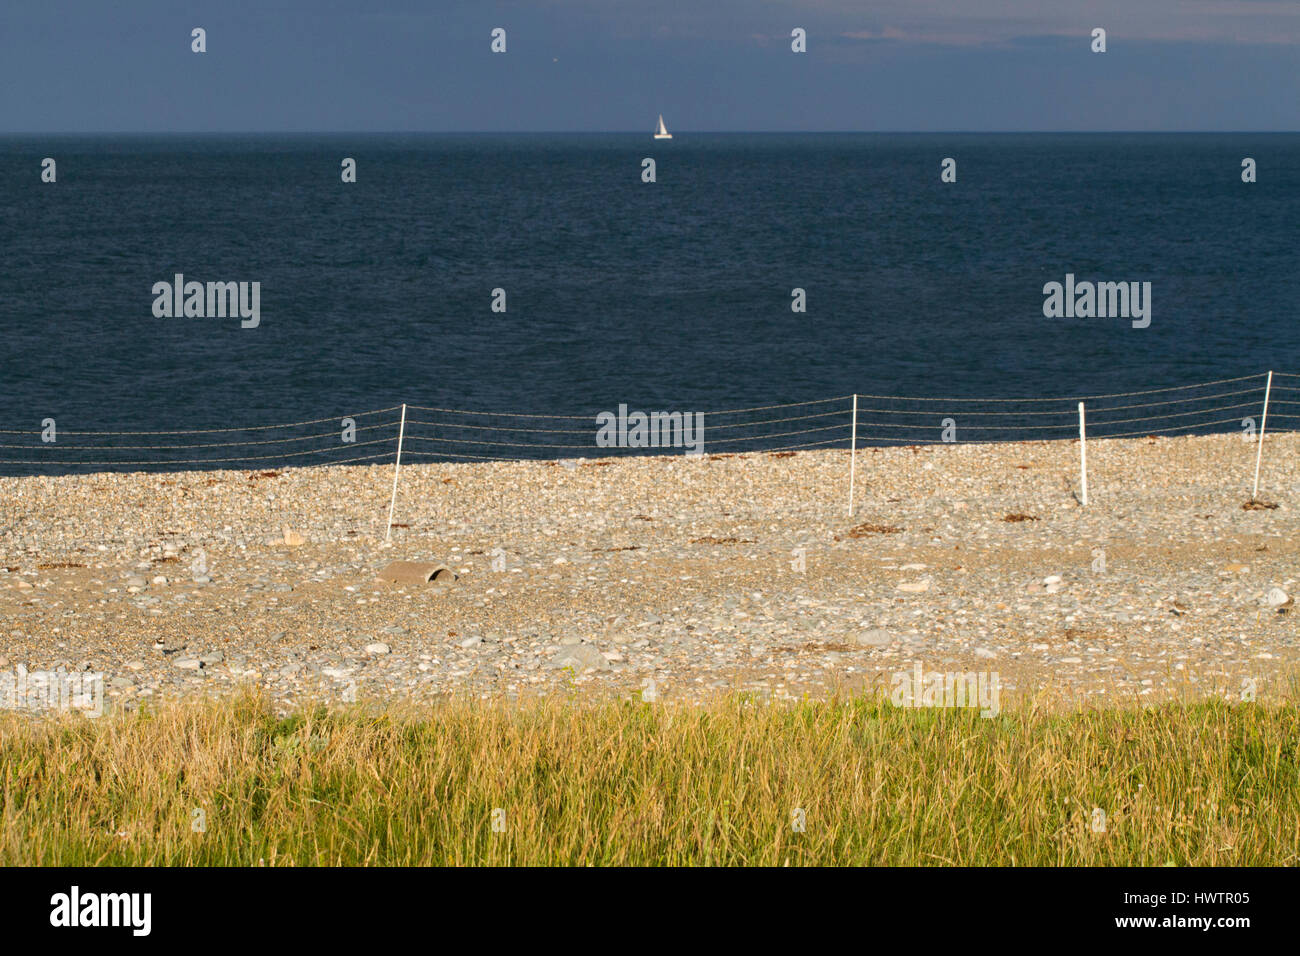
x=725 y=573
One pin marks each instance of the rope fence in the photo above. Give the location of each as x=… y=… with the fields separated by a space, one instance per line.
x=1249 y=404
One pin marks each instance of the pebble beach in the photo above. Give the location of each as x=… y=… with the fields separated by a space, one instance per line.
x=671 y=576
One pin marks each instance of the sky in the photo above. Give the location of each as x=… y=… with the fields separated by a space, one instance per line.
x=603 y=65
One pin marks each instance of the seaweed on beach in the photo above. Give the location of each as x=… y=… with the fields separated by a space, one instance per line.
x=865 y=529
x=1254 y=504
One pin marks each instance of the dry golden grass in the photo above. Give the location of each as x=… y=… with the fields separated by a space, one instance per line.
x=612 y=783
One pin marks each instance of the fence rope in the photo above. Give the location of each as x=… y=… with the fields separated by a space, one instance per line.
x=191 y=461
x=587 y=431
x=1074 y=398
x=211 y=431
x=220 y=444
x=1174 y=410
x=730 y=411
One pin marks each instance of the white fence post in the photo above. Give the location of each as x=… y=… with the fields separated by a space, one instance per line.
x=853 y=453
x=1083 y=456
x=1263 y=422
x=401 y=433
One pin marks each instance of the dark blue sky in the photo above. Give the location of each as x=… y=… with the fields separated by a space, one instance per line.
x=295 y=65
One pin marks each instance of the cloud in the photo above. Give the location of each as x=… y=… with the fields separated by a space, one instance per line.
x=888 y=33
x=1232 y=22
x=921 y=36
x=943 y=22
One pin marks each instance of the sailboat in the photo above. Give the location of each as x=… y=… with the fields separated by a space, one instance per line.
x=662 y=131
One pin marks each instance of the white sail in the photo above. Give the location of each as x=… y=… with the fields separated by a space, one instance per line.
x=662 y=131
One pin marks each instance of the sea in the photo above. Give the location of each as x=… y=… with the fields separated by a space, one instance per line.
x=492 y=281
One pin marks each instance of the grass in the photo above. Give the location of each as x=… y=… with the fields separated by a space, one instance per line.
x=631 y=783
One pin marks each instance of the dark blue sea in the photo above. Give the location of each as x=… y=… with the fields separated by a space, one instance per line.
x=672 y=295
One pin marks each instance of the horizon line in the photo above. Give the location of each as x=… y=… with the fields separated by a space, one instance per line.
x=640 y=132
